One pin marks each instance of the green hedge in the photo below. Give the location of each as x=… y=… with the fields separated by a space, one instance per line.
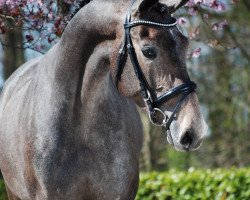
x=2 y=191
x=219 y=184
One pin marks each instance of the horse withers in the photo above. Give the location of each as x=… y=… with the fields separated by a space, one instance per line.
x=69 y=128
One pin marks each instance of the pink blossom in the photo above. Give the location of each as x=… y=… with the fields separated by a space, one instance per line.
x=11 y=4
x=29 y=38
x=219 y=25
x=192 y=34
x=38 y=47
x=2 y=27
x=182 y=21
x=40 y=3
x=198 y=1
x=50 y=15
x=69 y=1
x=196 y=53
x=2 y=2
x=217 y=5
x=192 y=11
x=192 y=3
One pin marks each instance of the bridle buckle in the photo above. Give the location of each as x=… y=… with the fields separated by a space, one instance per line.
x=158 y=114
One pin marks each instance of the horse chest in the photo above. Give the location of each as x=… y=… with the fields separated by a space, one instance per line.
x=94 y=167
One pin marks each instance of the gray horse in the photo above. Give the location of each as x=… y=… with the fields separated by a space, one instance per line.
x=66 y=130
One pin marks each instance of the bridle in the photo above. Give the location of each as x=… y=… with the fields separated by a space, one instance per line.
x=153 y=103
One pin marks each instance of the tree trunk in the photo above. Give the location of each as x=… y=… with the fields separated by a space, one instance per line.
x=13 y=57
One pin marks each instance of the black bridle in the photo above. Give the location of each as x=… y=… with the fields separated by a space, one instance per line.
x=153 y=102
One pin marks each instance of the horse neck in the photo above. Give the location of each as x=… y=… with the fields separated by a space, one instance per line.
x=82 y=55
x=97 y=84
x=84 y=32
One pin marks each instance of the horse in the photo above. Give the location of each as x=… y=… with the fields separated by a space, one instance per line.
x=69 y=125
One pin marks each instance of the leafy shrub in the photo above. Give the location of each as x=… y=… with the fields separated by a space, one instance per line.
x=221 y=184
x=3 y=195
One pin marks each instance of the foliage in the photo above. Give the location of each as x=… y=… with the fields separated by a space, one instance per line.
x=3 y=195
x=220 y=184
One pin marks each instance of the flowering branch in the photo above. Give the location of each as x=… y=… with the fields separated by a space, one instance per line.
x=43 y=21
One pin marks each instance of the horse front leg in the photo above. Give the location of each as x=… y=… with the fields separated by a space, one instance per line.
x=10 y=195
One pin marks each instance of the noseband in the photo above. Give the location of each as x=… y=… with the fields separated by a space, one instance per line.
x=153 y=103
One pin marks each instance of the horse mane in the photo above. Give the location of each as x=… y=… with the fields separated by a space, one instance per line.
x=80 y=5
x=83 y=3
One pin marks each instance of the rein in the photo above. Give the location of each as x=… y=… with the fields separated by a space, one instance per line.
x=153 y=103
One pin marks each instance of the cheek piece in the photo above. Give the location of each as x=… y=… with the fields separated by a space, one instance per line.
x=153 y=103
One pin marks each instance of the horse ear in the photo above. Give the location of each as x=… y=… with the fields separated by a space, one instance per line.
x=174 y=4
x=146 y=5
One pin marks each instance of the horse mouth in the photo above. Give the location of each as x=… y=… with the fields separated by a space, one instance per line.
x=170 y=140
x=183 y=148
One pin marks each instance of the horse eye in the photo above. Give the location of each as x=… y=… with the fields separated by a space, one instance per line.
x=149 y=52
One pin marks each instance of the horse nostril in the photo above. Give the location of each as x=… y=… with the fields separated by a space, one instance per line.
x=187 y=140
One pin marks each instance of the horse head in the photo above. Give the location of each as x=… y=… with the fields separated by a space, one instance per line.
x=154 y=75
